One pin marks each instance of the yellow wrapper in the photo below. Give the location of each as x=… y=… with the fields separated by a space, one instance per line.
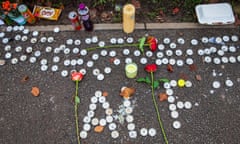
x=46 y=12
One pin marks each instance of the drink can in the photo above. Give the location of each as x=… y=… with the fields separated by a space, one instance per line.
x=26 y=13
x=73 y=16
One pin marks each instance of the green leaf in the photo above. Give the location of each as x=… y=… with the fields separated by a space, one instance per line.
x=141 y=80
x=164 y=80
x=155 y=84
x=77 y=99
x=147 y=80
x=141 y=44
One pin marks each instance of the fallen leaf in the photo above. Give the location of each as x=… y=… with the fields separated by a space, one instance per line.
x=112 y=60
x=99 y=129
x=25 y=78
x=77 y=99
x=105 y=93
x=163 y=97
x=192 y=67
x=35 y=91
x=170 y=68
x=127 y=92
x=198 y=77
x=183 y=76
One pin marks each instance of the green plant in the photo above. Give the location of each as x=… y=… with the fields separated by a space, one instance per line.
x=152 y=15
x=156 y=1
x=176 y=3
x=117 y=18
x=102 y=2
x=190 y=4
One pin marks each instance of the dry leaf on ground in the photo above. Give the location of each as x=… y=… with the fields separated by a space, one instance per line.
x=35 y=91
x=25 y=78
x=99 y=129
x=105 y=93
x=170 y=68
x=127 y=92
x=192 y=67
x=198 y=77
x=163 y=96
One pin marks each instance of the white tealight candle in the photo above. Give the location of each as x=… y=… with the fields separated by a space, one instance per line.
x=131 y=70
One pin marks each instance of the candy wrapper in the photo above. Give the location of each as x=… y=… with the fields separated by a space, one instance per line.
x=46 y=12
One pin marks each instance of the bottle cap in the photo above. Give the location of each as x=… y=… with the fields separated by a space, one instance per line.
x=81 y=6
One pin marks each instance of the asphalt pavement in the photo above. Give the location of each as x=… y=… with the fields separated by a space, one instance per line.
x=206 y=110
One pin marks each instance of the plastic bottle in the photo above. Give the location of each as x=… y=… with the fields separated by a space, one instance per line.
x=83 y=11
x=19 y=19
x=6 y=19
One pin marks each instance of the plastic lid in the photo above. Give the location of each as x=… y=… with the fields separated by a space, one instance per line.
x=215 y=14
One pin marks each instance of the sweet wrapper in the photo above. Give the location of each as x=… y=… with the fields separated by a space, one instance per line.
x=46 y=12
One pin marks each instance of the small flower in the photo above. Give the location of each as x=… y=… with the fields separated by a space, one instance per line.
x=151 y=68
x=152 y=43
x=7 y=6
x=127 y=92
x=77 y=76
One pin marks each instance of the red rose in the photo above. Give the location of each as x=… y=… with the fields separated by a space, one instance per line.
x=151 y=68
x=153 y=46
x=77 y=76
x=152 y=43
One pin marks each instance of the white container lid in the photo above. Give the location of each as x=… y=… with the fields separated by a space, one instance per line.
x=215 y=14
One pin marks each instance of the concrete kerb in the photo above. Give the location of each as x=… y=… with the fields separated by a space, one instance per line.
x=141 y=26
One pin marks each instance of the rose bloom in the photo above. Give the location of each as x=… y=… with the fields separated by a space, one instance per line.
x=151 y=68
x=152 y=43
x=77 y=76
